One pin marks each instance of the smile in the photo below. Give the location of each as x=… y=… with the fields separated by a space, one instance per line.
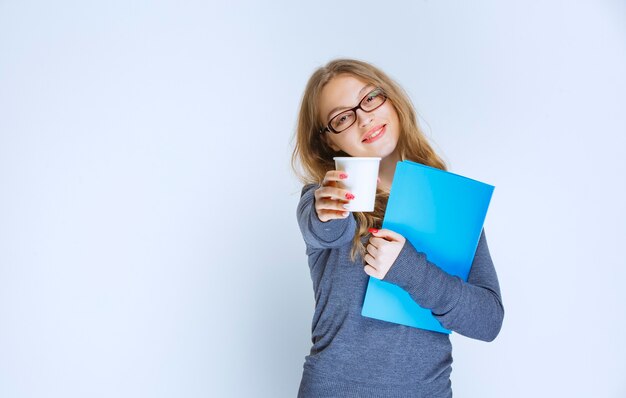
x=379 y=133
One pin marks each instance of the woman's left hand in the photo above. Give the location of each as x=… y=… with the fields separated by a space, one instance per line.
x=382 y=250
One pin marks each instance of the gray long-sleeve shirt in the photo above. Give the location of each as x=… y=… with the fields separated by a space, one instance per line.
x=356 y=356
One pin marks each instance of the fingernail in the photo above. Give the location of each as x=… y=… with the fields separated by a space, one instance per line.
x=345 y=213
x=343 y=176
x=373 y=231
x=349 y=196
x=346 y=206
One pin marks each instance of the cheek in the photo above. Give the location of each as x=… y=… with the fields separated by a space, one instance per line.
x=390 y=113
x=393 y=118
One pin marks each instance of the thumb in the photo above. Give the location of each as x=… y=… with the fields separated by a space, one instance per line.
x=386 y=234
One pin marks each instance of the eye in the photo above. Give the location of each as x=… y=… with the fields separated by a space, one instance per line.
x=372 y=95
x=343 y=119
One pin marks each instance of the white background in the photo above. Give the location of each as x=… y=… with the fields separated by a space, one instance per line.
x=148 y=236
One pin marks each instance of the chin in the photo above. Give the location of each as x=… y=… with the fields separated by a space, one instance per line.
x=386 y=152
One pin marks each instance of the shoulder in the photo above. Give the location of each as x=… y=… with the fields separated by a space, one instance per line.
x=308 y=187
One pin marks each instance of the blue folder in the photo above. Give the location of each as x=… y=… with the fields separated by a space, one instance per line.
x=441 y=214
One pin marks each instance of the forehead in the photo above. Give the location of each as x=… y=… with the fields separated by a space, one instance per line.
x=341 y=91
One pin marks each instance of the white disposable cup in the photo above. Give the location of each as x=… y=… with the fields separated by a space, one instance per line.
x=361 y=182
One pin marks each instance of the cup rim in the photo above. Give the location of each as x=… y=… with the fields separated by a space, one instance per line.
x=356 y=158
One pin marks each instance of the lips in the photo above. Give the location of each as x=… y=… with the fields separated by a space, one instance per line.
x=378 y=129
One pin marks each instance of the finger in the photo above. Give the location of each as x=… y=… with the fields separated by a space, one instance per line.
x=375 y=242
x=371 y=272
x=379 y=243
x=331 y=204
x=339 y=214
x=333 y=184
x=369 y=260
x=372 y=250
x=387 y=235
x=334 y=193
x=326 y=215
x=333 y=176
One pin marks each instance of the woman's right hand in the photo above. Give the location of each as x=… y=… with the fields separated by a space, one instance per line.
x=330 y=199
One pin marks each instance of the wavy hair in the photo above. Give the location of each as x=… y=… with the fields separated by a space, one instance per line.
x=315 y=157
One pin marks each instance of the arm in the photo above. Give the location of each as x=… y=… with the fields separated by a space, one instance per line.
x=318 y=234
x=473 y=308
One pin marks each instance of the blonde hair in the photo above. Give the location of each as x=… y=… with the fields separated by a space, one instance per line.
x=316 y=157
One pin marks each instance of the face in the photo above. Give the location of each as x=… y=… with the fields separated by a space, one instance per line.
x=344 y=92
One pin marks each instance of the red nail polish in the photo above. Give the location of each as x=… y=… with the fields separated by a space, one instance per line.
x=349 y=196
x=343 y=176
x=373 y=231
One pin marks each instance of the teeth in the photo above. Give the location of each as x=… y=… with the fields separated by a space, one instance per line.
x=374 y=135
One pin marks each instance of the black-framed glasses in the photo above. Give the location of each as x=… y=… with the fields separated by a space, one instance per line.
x=345 y=119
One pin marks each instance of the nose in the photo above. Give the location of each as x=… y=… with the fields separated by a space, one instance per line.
x=364 y=118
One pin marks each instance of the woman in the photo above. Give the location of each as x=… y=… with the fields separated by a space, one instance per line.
x=351 y=108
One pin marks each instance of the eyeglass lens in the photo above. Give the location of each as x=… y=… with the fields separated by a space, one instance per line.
x=345 y=119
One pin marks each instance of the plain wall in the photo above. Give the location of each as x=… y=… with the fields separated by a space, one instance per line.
x=148 y=236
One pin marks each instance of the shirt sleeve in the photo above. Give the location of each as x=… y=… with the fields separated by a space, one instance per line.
x=473 y=308
x=318 y=234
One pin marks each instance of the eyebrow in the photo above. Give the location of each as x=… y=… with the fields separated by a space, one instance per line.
x=347 y=107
